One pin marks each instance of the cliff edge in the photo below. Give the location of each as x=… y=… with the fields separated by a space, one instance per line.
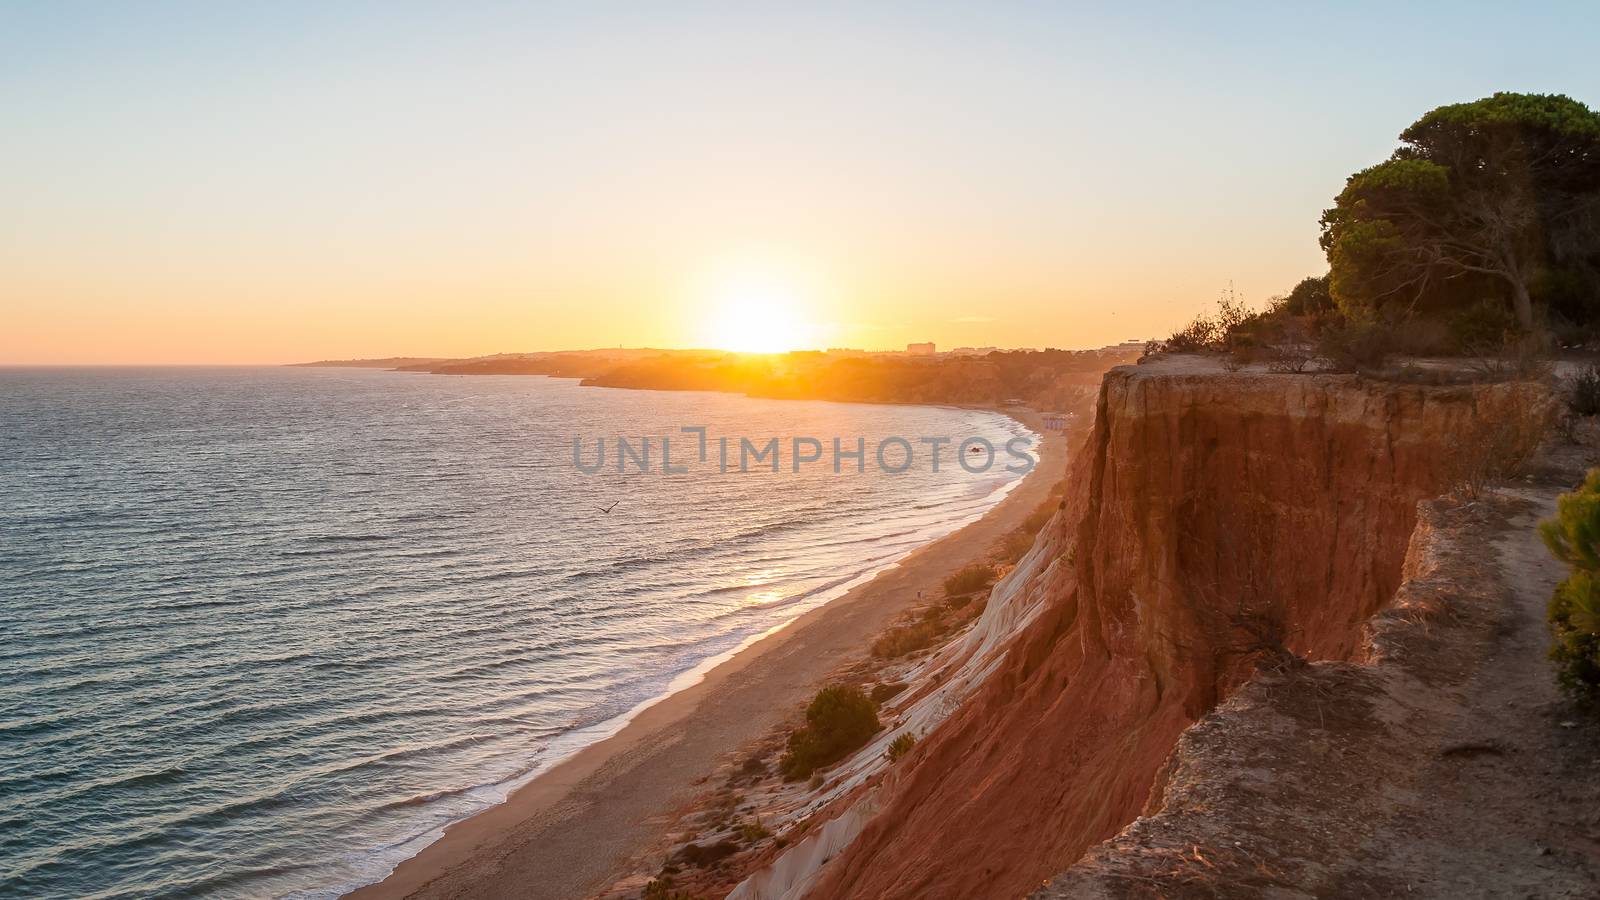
x=1445 y=765
x=1219 y=526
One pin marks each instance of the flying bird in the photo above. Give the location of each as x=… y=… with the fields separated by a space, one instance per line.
x=607 y=509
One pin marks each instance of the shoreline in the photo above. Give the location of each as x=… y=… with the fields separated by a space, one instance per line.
x=570 y=830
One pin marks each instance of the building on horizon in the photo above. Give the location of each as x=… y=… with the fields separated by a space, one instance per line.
x=924 y=349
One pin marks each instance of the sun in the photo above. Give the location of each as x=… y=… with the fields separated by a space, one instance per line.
x=757 y=310
x=755 y=324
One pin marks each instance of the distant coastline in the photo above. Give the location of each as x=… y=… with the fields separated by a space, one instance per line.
x=388 y=362
x=1040 y=379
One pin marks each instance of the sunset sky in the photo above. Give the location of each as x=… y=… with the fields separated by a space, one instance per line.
x=243 y=183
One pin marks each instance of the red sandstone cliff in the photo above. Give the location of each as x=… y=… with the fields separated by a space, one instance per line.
x=1211 y=514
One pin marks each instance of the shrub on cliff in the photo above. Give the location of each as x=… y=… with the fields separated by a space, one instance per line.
x=907 y=639
x=1583 y=392
x=1496 y=448
x=661 y=889
x=1524 y=357
x=975 y=577
x=1281 y=334
x=900 y=746
x=1214 y=333
x=1573 y=537
x=839 y=721
x=1196 y=337
x=1355 y=344
x=709 y=855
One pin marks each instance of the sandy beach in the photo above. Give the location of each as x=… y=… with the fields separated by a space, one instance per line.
x=569 y=832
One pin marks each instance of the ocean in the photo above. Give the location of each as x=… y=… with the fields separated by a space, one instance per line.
x=265 y=631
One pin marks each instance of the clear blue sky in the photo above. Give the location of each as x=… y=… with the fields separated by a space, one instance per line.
x=268 y=182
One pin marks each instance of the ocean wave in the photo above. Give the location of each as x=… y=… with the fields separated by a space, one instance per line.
x=269 y=663
x=224 y=883
x=347 y=538
x=417 y=800
x=627 y=564
x=428 y=517
x=131 y=781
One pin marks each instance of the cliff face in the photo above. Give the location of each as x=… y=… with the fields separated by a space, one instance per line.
x=1445 y=766
x=1213 y=519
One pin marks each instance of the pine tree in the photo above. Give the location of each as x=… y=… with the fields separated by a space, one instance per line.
x=1573 y=537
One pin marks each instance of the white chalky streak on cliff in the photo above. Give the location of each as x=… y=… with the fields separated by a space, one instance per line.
x=970 y=660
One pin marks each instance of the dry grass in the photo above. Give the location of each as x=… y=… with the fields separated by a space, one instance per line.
x=1497 y=447
x=1522 y=359
x=908 y=639
x=973 y=578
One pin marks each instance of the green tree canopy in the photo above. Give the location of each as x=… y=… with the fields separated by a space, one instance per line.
x=1573 y=537
x=1496 y=198
x=1310 y=297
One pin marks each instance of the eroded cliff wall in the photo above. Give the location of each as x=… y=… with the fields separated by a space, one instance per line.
x=1212 y=515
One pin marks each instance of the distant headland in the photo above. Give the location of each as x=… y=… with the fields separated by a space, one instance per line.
x=1042 y=379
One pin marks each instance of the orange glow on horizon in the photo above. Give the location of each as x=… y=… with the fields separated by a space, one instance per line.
x=784 y=177
x=759 y=307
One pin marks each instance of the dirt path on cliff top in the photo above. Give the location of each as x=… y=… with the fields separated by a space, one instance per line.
x=1451 y=769
x=1510 y=805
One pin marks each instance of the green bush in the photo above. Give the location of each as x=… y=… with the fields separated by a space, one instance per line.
x=1573 y=537
x=1422 y=336
x=1309 y=298
x=1198 y=336
x=975 y=577
x=839 y=721
x=1574 y=614
x=1485 y=325
x=906 y=639
x=1355 y=344
x=900 y=746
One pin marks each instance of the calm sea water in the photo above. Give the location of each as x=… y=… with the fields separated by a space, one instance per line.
x=264 y=631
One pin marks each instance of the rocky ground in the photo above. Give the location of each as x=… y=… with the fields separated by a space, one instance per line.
x=1446 y=765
